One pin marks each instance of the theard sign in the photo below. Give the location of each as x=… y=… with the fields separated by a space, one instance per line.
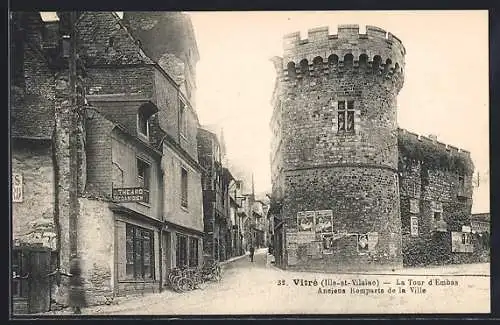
x=129 y=194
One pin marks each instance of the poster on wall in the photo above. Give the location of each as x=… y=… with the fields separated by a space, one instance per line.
x=414 y=207
x=372 y=241
x=303 y=237
x=324 y=221
x=314 y=250
x=328 y=243
x=305 y=221
x=461 y=242
x=436 y=206
x=363 y=243
x=414 y=226
x=292 y=254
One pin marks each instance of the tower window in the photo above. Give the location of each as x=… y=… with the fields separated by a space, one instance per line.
x=346 y=115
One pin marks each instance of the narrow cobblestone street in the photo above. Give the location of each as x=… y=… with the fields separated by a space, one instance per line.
x=252 y=288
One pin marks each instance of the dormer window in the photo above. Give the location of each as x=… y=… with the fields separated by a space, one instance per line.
x=144 y=114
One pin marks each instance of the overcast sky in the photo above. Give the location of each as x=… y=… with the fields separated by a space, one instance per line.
x=445 y=91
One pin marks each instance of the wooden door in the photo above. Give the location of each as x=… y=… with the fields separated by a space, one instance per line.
x=38 y=280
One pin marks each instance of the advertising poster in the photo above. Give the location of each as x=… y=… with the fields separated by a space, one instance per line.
x=461 y=242
x=363 y=243
x=372 y=241
x=414 y=226
x=324 y=221
x=414 y=207
x=305 y=221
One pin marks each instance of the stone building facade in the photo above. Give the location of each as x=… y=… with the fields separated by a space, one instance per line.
x=130 y=89
x=435 y=189
x=47 y=174
x=336 y=149
x=136 y=128
x=216 y=200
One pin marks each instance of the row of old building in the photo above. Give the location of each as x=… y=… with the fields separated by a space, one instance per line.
x=109 y=160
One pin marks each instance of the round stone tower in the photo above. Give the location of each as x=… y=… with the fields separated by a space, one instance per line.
x=336 y=98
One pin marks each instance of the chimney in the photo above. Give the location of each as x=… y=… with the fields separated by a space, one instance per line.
x=433 y=137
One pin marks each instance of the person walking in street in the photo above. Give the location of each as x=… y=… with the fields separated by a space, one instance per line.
x=77 y=292
x=252 y=251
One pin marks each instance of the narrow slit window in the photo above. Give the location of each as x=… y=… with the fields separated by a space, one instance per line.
x=341 y=115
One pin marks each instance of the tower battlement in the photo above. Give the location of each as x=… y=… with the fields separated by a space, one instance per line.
x=430 y=140
x=374 y=49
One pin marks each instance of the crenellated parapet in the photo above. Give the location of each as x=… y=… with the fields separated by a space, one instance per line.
x=375 y=52
x=433 y=153
x=433 y=141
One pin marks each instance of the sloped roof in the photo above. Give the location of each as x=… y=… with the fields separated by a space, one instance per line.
x=104 y=39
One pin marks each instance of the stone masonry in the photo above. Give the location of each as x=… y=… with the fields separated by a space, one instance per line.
x=337 y=147
x=324 y=167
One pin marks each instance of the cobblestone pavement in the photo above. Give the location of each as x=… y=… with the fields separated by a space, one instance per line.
x=253 y=288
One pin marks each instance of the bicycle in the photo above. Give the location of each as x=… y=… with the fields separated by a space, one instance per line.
x=212 y=271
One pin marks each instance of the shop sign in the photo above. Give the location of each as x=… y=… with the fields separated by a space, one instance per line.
x=17 y=187
x=129 y=194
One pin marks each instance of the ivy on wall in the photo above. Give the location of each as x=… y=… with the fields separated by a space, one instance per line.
x=432 y=156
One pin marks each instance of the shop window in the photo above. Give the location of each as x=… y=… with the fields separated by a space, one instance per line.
x=345 y=116
x=193 y=252
x=184 y=188
x=143 y=177
x=181 y=251
x=139 y=253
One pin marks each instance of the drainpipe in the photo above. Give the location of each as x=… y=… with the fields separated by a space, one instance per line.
x=161 y=255
x=74 y=208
